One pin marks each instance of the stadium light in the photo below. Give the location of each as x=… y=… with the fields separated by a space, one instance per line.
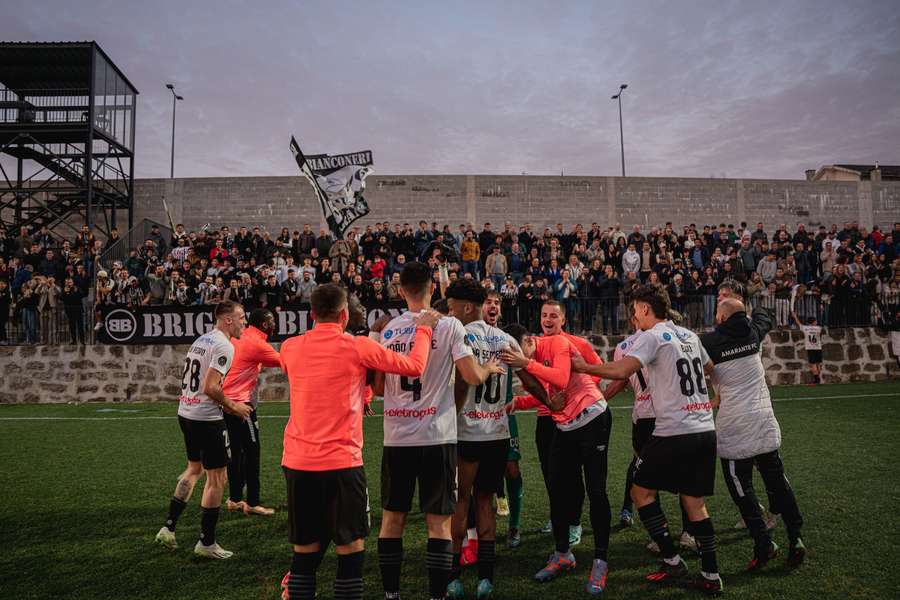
x=621 y=135
x=175 y=98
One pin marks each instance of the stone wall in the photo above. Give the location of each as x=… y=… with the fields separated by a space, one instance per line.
x=543 y=201
x=49 y=374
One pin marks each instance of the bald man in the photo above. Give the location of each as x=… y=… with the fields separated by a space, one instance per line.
x=747 y=432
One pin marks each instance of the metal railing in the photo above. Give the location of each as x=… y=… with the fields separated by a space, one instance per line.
x=44 y=106
x=598 y=316
x=51 y=326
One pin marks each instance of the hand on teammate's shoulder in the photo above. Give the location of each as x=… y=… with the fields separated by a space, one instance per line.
x=428 y=318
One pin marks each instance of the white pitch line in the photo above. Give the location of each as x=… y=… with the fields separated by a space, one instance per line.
x=520 y=412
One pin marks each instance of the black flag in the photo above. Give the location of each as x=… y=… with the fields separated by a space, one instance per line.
x=339 y=182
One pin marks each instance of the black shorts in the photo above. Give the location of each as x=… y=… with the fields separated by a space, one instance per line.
x=491 y=458
x=206 y=442
x=814 y=357
x=681 y=464
x=640 y=433
x=434 y=467
x=326 y=506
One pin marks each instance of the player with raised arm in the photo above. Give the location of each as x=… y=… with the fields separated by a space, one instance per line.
x=680 y=456
x=747 y=431
x=483 y=433
x=579 y=449
x=252 y=353
x=201 y=420
x=328 y=500
x=812 y=340
x=420 y=435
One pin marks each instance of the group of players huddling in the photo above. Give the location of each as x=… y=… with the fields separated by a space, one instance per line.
x=450 y=430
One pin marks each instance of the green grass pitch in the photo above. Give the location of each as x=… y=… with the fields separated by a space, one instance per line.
x=85 y=488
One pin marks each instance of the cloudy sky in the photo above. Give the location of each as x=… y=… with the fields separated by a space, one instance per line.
x=736 y=89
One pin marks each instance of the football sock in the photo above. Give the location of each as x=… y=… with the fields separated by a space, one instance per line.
x=516 y=492
x=176 y=507
x=487 y=557
x=208 y=521
x=302 y=582
x=438 y=559
x=390 y=560
x=348 y=583
x=706 y=544
x=655 y=522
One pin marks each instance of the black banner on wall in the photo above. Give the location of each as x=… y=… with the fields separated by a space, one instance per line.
x=183 y=324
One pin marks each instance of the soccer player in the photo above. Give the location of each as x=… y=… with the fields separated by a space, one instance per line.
x=746 y=429
x=553 y=320
x=681 y=454
x=580 y=445
x=515 y=486
x=642 y=422
x=322 y=461
x=252 y=353
x=483 y=434
x=420 y=435
x=812 y=337
x=200 y=409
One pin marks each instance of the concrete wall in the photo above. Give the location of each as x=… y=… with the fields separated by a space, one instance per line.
x=48 y=374
x=543 y=201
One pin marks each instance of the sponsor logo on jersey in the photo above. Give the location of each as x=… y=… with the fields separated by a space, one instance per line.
x=222 y=361
x=666 y=336
x=388 y=334
x=624 y=346
x=411 y=412
x=487 y=339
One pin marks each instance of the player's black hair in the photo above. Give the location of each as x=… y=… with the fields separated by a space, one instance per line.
x=327 y=301
x=516 y=331
x=654 y=296
x=811 y=321
x=441 y=306
x=258 y=317
x=415 y=278
x=224 y=308
x=467 y=290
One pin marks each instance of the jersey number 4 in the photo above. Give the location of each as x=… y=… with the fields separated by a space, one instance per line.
x=190 y=378
x=686 y=378
x=412 y=385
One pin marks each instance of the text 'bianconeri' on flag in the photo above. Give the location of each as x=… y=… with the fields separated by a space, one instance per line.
x=339 y=182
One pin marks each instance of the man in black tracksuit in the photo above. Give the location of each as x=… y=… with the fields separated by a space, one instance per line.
x=747 y=432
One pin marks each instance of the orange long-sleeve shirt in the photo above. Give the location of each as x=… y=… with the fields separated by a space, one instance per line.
x=585 y=349
x=326 y=370
x=252 y=353
x=552 y=364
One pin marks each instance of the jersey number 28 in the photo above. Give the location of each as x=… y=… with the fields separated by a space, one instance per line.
x=190 y=378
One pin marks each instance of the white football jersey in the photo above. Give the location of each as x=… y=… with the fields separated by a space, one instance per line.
x=211 y=350
x=813 y=335
x=674 y=359
x=421 y=411
x=483 y=417
x=643 y=398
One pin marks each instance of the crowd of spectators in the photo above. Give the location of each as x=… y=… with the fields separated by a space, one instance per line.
x=841 y=276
